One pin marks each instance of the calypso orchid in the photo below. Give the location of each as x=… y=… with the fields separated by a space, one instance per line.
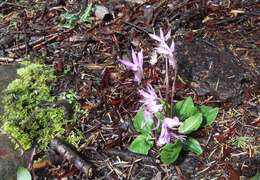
x=150 y=101
x=136 y=66
x=163 y=48
x=167 y=131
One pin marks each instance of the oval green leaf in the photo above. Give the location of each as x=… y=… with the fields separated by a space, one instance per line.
x=191 y=124
x=142 y=144
x=193 y=145
x=138 y=120
x=170 y=152
x=23 y=174
x=209 y=114
x=184 y=109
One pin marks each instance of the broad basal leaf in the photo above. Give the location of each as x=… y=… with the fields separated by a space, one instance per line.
x=209 y=114
x=142 y=144
x=138 y=123
x=193 y=145
x=23 y=174
x=184 y=109
x=170 y=152
x=191 y=124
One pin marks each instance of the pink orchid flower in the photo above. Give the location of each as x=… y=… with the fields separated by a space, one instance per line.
x=163 y=48
x=167 y=133
x=136 y=66
x=150 y=101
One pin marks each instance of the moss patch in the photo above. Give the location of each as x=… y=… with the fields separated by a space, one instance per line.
x=25 y=117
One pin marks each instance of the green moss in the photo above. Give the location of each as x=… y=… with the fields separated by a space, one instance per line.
x=25 y=117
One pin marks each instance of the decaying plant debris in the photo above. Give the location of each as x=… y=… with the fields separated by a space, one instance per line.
x=85 y=58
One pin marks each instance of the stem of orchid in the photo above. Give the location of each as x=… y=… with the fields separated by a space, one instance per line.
x=173 y=89
x=167 y=84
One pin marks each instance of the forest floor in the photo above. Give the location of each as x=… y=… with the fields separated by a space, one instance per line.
x=85 y=58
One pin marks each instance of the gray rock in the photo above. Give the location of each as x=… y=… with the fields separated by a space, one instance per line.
x=101 y=11
x=214 y=72
x=10 y=159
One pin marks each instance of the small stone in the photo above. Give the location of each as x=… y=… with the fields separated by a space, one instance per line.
x=102 y=12
x=10 y=158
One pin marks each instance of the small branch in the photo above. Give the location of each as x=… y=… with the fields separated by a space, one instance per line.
x=129 y=156
x=39 y=42
x=137 y=27
x=71 y=156
x=6 y=59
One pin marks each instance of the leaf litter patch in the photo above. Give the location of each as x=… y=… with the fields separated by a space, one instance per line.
x=108 y=96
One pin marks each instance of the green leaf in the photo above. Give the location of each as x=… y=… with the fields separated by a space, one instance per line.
x=23 y=174
x=142 y=144
x=191 y=124
x=138 y=121
x=193 y=145
x=70 y=20
x=256 y=177
x=170 y=152
x=177 y=106
x=85 y=17
x=185 y=108
x=209 y=114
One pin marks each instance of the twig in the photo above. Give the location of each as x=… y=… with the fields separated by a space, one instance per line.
x=6 y=59
x=39 y=42
x=71 y=156
x=12 y=4
x=137 y=27
x=128 y=156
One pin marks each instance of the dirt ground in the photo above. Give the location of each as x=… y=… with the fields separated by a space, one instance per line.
x=85 y=58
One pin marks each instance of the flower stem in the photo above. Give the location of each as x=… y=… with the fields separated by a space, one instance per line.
x=167 y=84
x=173 y=89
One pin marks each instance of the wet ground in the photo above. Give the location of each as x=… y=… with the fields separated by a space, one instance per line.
x=217 y=52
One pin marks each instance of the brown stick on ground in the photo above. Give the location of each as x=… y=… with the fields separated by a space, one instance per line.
x=71 y=156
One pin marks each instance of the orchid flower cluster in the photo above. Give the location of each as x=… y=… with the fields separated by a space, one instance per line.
x=185 y=117
x=150 y=99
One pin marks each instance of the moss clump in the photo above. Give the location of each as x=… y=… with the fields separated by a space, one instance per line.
x=25 y=117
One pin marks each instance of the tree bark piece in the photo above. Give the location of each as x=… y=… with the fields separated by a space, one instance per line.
x=72 y=156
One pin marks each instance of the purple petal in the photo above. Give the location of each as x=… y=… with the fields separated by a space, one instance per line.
x=134 y=57
x=180 y=137
x=172 y=62
x=155 y=108
x=138 y=76
x=145 y=94
x=157 y=38
x=163 y=51
x=164 y=138
x=172 y=46
x=168 y=35
x=161 y=35
x=171 y=122
x=140 y=58
x=151 y=91
x=129 y=65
